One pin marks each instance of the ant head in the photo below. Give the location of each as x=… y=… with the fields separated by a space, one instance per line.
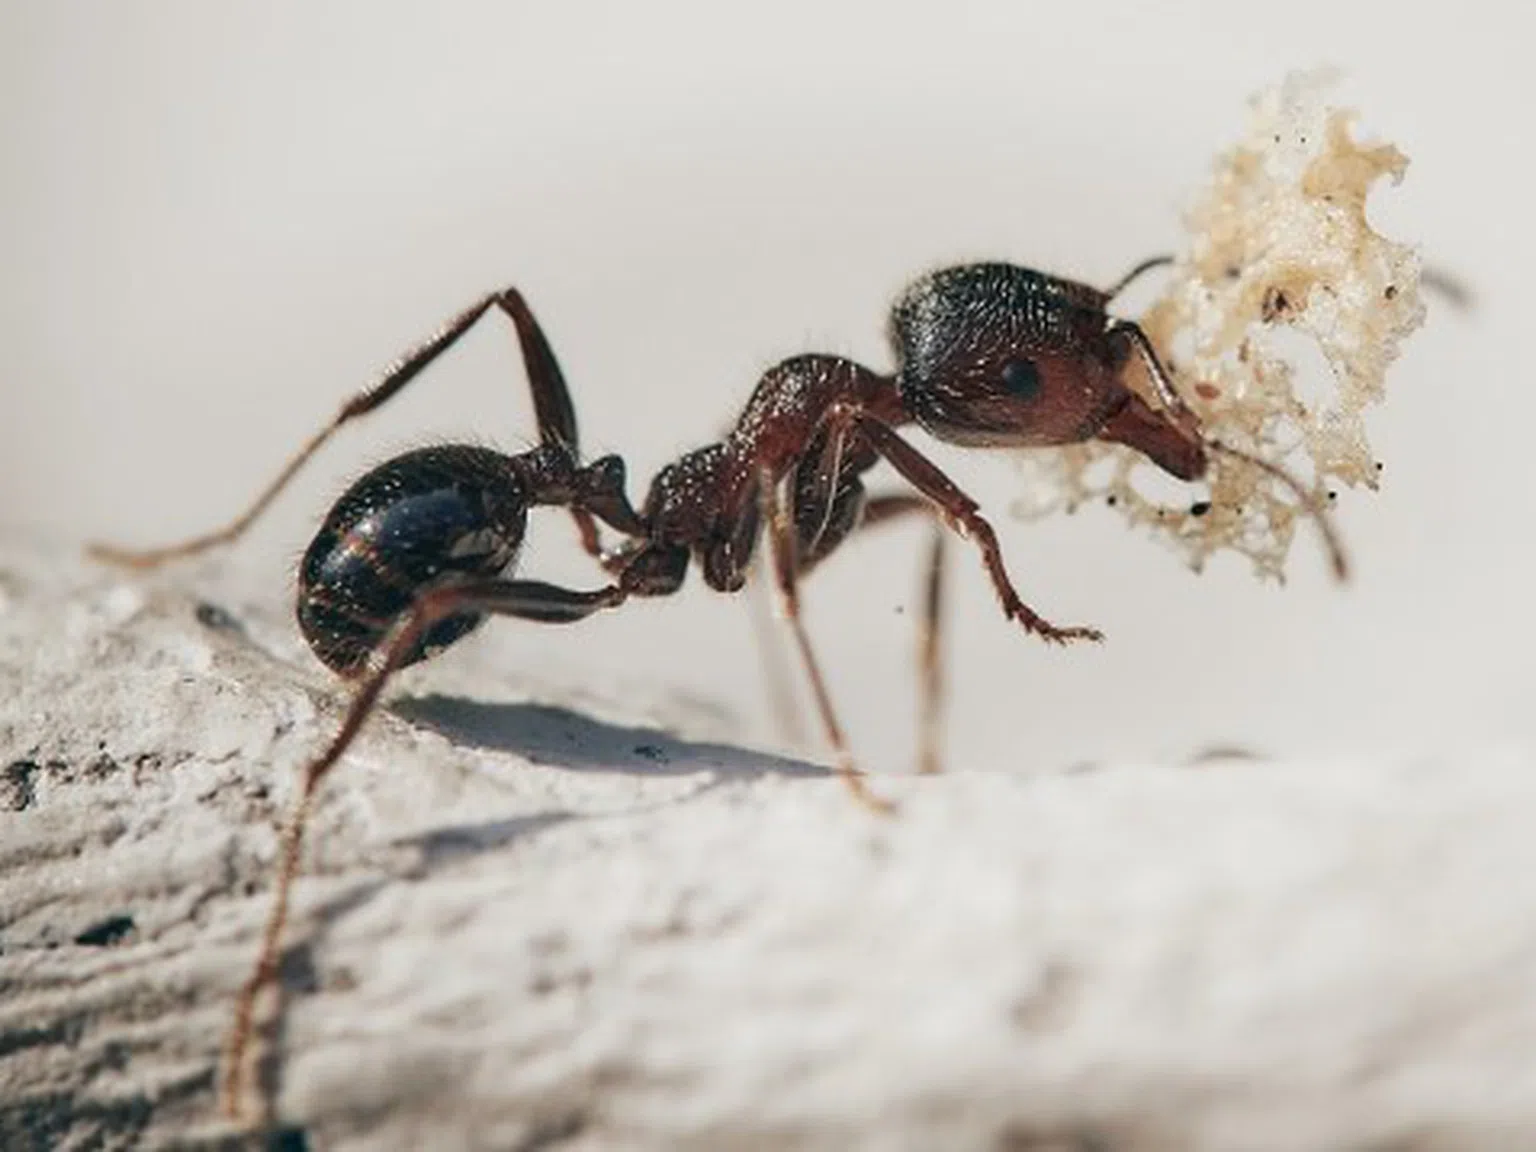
x=993 y=355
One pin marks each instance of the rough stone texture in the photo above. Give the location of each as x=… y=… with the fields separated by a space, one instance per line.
x=532 y=926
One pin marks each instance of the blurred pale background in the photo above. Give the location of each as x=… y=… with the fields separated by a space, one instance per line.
x=216 y=220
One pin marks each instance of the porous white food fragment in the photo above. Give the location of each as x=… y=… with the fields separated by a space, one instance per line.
x=1278 y=241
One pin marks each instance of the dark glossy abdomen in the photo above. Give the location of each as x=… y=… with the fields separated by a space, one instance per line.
x=421 y=521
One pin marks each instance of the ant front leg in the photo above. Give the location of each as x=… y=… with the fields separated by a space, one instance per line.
x=964 y=516
x=555 y=413
x=524 y=599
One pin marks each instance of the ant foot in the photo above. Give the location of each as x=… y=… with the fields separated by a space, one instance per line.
x=1050 y=633
x=854 y=778
x=122 y=557
x=1054 y=635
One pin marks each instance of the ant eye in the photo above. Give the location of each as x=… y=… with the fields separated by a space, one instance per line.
x=1022 y=379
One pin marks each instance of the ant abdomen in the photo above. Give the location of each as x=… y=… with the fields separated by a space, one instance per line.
x=423 y=520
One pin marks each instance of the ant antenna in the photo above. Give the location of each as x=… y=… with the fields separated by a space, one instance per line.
x=1308 y=501
x=1450 y=287
x=1146 y=265
x=1175 y=404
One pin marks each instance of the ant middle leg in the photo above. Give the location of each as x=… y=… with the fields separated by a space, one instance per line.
x=783 y=550
x=963 y=515
x=555 y=413
x=525 y=599
x=875 y=511
x=830 y=506
x=930 y=652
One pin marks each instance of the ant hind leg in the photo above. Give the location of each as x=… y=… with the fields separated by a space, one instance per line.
x=551 y=401
x=526 y=599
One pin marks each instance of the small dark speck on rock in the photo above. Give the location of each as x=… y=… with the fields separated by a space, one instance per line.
x=286 y=1140
x=16 y=791
x=1275 y=304
x=1029 y=1139
x=210 y=615
x=651 y=752
x=101 y=767
x=106 y=933
x=552 y=1132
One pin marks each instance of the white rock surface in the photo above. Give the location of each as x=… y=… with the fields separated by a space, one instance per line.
x=522 y=926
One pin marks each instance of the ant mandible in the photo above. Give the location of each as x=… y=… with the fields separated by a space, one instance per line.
x=417 y=553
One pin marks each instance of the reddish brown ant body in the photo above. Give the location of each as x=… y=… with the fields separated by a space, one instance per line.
x=419 y=551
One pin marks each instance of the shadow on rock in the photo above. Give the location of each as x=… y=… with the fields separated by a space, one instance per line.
x=456 y=841
x=566 y=739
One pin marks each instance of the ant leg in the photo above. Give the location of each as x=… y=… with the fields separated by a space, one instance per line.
x=551 y=401
x=586 y=531
x=526 y=599
x=964 y=516
x=930 y=654
x=829 y=506
x=781 y=532
x=930 y=661
x=770 y=656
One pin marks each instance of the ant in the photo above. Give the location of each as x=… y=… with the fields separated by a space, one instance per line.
x=418 y=552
